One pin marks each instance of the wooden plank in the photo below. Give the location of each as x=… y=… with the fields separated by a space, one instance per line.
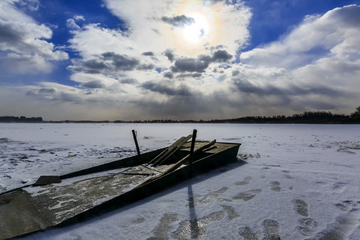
x=19 y=215
x=179 y=163
x=136 y=144
x=192 y=146
x=44 y=180
x=162 y=154
x=170 y=151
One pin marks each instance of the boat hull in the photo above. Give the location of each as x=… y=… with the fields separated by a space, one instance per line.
x=97 y=190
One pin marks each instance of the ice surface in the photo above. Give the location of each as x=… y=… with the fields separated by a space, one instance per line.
x=296 y=181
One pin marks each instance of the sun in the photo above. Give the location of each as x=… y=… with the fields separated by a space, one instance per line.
x=198 y=30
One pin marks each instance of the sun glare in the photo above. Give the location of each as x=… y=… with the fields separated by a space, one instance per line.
x=198 y=30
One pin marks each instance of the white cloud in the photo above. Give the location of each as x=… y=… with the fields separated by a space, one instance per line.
x=25 y=40
x=227 y=25
x=316 y=66
x=33 y=5
x=70 y=23
x=79 y=17
x=334 y=33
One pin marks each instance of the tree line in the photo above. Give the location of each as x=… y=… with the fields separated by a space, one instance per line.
x=309 y=117
x=320 y=117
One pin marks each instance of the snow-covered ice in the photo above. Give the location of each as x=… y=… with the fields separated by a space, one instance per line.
x=293 y=182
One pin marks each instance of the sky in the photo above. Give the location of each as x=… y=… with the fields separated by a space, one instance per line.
x=200 y=59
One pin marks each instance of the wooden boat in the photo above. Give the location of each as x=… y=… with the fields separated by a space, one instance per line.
x=78 y=196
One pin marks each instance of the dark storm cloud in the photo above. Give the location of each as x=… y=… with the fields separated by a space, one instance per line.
x=8 y=34
x=187 y=75
x=167 y=89
x=190 y=65
x=41 y=91
x=128 y=81
x=292 y=90
x=235 y=73
x=169 y=75
x=200 y=63
x=93 y=84
x=178 y=21
x=121 y=62
x=110 y=61
x=221 y=56
x=55 y=95
x=169 y=54
x=47 y=90
x=145 y=67
x=148 y=54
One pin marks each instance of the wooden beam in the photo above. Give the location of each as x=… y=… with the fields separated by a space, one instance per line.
x=137 y=145
x=170 y=151
x=179 y=163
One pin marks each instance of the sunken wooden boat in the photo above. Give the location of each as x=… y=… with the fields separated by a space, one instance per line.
x=62 y=200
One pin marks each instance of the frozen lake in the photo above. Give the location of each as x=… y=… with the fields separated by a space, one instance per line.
x=295 y=181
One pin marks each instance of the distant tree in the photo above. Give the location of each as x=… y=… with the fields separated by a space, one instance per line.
x=356 y=114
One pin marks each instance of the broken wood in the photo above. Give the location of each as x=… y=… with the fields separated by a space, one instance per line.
x=136 y=144
x=192 y=146
x=167 y=153
x=44 y=180
x=179 y=163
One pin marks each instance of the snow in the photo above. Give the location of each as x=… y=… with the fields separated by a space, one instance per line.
x=294 y=181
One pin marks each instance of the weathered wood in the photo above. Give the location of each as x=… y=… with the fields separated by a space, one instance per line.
x=162 y=154
x=171 y=150
x=136 y=144
x=179 y=163
x=44 y=180
x=116 y=188
x=192 y=146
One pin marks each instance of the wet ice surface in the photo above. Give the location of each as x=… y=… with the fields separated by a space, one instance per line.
x=296 y=181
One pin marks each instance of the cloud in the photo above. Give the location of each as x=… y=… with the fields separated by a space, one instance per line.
x=316 y=37
x=23 y=39
x=23 y=64
x=246 y=86
x=189 y=75
x=148 y=54
x=167 y=88
x=149 y=69
x=128 y=81
x=169 y=75
x=79 y=17
x=191 y=64
x=93 y=84
x=169 y=54
x=221 y=56
x=109 y=61
x=222 y=18
x=200 y=63
x=178 y=21
x=70 y=23
x=33 y=5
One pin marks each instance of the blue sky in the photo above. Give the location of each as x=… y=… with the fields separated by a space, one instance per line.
x=138 y=59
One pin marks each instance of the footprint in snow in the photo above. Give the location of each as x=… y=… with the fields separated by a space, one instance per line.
x=286 y=174
x=164 y=227
x=244 y=182
x=307 y=225
x=248 y=195
x=230 y=212
x=247 y=233
x=275 y=186
x=210 y=197
x=271 y=231
x=301 y=207
x=195 y=228
x=343 y=227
